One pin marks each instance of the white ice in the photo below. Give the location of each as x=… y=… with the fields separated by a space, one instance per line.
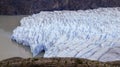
x=87 y=34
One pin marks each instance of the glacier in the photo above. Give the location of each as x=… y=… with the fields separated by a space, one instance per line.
x=92 y=34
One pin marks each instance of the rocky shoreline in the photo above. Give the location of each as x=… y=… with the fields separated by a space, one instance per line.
x=25 y=7
x=55 y=62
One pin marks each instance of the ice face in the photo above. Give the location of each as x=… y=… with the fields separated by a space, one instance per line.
x=70 y=33
x=19 y=33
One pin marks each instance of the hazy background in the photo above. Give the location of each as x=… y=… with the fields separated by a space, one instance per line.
x=18 y=7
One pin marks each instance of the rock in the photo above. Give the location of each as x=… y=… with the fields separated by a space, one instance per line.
x=16 y=7
x=55 y=62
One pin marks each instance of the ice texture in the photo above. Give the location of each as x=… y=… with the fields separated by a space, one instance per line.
x=87 y=34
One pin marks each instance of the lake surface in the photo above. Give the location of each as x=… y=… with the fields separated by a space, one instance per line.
x=9 y=48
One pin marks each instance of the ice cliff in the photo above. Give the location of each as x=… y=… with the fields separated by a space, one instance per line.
x=92 y=34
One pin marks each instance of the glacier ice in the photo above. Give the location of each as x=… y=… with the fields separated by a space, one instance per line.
x=81 y=34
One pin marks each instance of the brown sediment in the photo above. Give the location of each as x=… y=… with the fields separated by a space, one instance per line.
x=55 y=62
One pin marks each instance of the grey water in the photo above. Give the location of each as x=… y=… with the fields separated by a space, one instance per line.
x=9 y=48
